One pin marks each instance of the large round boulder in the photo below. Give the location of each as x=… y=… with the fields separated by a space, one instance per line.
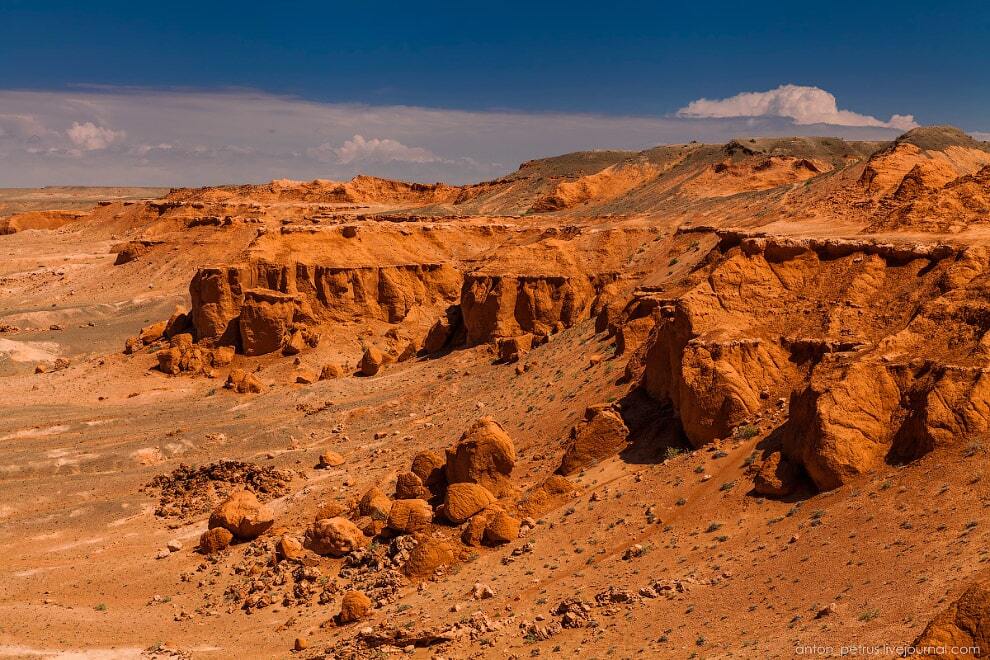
x=335 y=537
x=243 y=515
x=463 y=500
x=354 y=607
x=484 y=455
x=429 y=555
x=407 y=516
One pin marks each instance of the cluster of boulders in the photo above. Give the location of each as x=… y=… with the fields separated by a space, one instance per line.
x=178 y=323
x=469 y=486
x=183 y=356
x=462 y=488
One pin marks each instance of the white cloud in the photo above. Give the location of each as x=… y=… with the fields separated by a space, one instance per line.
x=91 y=137
x=374 y=150
x=173 y=138
x=805 y=105
x=382 y=150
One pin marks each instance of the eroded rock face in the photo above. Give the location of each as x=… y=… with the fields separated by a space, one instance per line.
x=484 y=455
x=215 y=294
x=496 y=306
x=322 y=293
x=852 y=418
x=963 y=625
x=265 y=321
x=842 y=325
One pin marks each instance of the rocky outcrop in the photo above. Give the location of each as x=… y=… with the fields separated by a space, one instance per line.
x=854 y=417
x=964 y=625
x=132 y=250
x=879 y=347
x=497 y=306
x=265 y=320
x=323 y=293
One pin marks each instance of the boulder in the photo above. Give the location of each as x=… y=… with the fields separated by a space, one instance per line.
x=329 y=459
x=243 y=515
x=370 y=527
x=328 y=509
x=177 y=324
x=243 y=382
x=492 y=526
x=841 y=425
x=463 y=500
x=501 y=528
x=484 y=455
x=601 y=435
x=430 y=555
x=553 y=492
x=430 y=469
x=304 y=377
x=288 y=548
x=169 y=361
x=295 y=344
x=375 y=503
x=777 y=476
x=133 y=345
x=214 y=540
x=331 y=372
x=335 y=537
x=152 y=333
x=353 y=607
x=221 y=356
x=442 y=333
x=372 y=361
x=408 y=516
x=474 y=531
x=513 y=349
x=408 y=486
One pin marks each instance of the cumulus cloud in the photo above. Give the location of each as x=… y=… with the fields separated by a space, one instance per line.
x=91 y=137
x=374 y=150
x=804 y=105
x=182 y=138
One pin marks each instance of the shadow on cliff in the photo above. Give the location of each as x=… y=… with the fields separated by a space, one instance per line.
x=653 y=428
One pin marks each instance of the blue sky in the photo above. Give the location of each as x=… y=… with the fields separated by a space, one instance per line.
x=644 y=61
